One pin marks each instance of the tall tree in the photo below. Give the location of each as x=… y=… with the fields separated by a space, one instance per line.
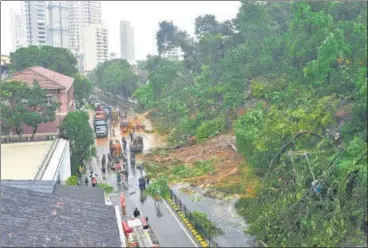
x=54 y=58
x=82 y=87
x=76 y=128
x=13 y=109
x=39 y=109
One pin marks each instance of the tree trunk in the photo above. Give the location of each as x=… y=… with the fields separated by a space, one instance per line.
x=34 y=132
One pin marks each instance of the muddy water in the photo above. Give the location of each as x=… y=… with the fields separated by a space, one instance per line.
x=223 y=213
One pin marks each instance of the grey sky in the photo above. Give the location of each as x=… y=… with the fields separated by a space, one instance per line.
x=144 y=16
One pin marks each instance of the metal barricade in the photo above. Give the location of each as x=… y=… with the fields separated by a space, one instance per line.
x=206 y=234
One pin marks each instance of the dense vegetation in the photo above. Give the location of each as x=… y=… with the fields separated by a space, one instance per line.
x=22 y=104
x=291 y=80
x=53 y=58
x=76 y=128
x=115 y=77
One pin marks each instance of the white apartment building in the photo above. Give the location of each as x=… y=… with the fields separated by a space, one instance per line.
x=34 y=14
x=175 y=53
x=58 y=24
x=95 y=46
x=18 y=29
x=127 y=41
x=82 y=14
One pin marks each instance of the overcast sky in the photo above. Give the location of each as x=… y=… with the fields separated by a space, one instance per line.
x=144 y=16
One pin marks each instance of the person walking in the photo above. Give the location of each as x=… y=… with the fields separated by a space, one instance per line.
x=94 y=182
x=86 y=181
x=136 y=213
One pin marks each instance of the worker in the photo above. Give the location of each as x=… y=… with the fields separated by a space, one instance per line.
x=94 y=182
x=147 y=180
x=103 y=160
x=136 y=213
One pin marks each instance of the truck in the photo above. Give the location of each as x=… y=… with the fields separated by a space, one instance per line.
x=100 y=115
x=137 y=143
x=101 y=131
x=99 y=122
x=138 y=233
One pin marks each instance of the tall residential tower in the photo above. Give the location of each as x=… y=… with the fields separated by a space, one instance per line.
x=18 y=29
x=34 y=14
x=58 y=24
x=127 y=41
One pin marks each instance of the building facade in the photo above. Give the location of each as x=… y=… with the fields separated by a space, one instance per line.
x=59 y=89
x=95 y=46
x=34 y=14
x=174 y=53
x=127 y=41
x=18 y=29
x=58 y=24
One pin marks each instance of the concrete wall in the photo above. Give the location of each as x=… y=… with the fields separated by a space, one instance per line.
x=59 y=163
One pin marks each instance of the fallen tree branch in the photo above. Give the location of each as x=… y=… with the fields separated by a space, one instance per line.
x=283 y=148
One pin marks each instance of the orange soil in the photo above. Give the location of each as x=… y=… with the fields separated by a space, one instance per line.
x=227 y=163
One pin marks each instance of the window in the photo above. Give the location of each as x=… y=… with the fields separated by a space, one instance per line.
x=49 y=99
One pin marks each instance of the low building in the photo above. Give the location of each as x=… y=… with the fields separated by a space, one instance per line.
x=174 y=53
x=35 y=165
x=35 y=219
x=59 y=89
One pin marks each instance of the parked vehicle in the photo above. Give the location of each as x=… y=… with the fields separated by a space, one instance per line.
x=100 y=115
x=99 y=122
x=139 y=233
x=107 y=110
x=101 y=131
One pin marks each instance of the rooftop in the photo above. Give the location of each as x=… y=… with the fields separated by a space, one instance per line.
x=21 y=161
x=34 y=219
x=46 y=78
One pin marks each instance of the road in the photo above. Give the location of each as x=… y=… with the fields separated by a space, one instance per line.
x=167 y=227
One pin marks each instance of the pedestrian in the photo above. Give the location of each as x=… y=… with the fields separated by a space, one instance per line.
x=94 y=182
x=136 y=213
x=103 y=170
x=86 y=181
x=147 y=180
x=103 y=160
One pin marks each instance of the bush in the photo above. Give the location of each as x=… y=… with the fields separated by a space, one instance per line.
x=159 y=185
x=210 y=128
x=106 y=187
x=72 y=181
x=208 y=226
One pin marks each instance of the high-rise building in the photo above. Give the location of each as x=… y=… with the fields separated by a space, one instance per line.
x=34 y=14
x=82 y=13
x=95 y=46
x=126 y=41
x=58 y=24
x=174 y=53
x=18 y=29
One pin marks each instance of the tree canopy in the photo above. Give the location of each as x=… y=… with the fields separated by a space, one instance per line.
x=76 y=128
x=298 y=72
x=82 y=87
x=54 y=58
x=25 y=105
x=115 y=76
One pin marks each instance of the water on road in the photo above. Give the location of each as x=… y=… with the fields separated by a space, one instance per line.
x=166 y=225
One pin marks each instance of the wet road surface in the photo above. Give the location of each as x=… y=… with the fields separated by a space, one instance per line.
x=169 y=230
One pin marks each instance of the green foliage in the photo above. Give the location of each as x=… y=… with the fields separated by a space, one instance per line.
x=106 y=187
x=72 y=180
x=82 y=87
x=300 y=71
x=159 y=186
x=25 y=105
x=116 y=77
x=76 y=128
x=54 y=58
x=201 y=219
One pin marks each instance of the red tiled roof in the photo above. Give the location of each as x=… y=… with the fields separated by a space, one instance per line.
x=46 y=78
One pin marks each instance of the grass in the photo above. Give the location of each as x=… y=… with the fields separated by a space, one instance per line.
x=176 y=170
